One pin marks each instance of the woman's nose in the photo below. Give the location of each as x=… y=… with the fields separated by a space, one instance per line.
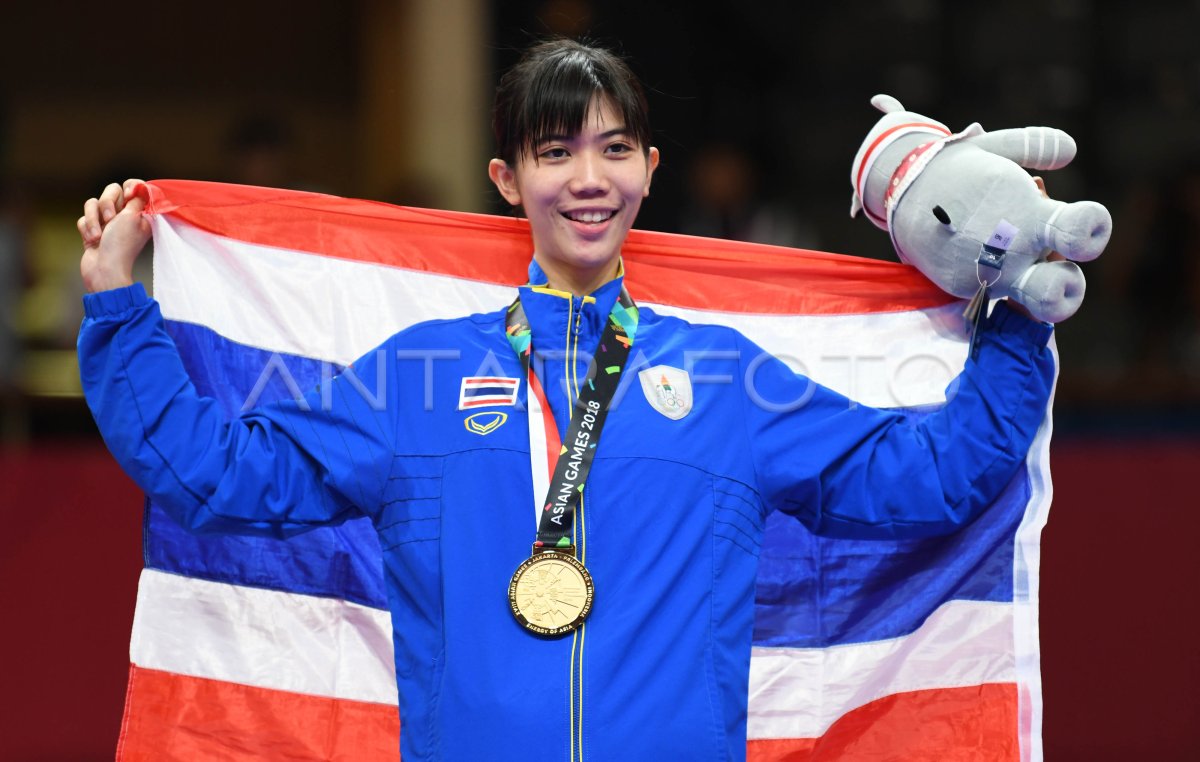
x=590 y=177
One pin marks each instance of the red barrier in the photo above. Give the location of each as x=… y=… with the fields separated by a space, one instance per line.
x=1120 y=612
x=70 y=554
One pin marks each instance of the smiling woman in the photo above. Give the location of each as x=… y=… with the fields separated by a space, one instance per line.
x=572 y=134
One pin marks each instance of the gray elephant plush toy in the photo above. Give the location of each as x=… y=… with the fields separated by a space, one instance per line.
x=960 y=208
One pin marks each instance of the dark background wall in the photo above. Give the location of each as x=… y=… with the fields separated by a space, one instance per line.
x=758 y=109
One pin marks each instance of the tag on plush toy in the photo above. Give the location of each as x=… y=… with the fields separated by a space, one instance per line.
x=992 y=253
x=991 y=256
x=974 y=314
x=975 y=306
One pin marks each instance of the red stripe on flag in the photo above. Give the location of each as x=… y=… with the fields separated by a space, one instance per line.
x=661 y=268
x=487 y=402
x=170 y=716
x=973 y=723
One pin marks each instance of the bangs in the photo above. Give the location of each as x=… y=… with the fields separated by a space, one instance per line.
x=559 y=101
x=551 y=94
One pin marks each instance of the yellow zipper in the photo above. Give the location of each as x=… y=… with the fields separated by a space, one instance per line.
x=579 y=538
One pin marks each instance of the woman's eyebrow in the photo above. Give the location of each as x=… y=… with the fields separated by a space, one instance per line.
x=614 y=132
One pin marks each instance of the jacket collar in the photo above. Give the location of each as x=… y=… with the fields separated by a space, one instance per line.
x=554 y=315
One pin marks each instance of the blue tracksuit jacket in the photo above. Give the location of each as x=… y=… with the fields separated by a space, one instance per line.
x=670 y=523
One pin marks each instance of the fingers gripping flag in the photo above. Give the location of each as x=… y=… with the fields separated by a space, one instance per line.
x=251 y=648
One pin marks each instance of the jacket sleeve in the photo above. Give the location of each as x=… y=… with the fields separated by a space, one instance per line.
x=848 y=470
x=277 y=470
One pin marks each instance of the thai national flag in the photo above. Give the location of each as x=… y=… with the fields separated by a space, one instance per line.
x=487 y=391
x=250 y=648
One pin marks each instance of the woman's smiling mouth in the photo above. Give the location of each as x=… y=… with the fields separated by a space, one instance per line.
x=590 y=216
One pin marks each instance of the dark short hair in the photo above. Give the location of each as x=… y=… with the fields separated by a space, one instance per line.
x=548 y=92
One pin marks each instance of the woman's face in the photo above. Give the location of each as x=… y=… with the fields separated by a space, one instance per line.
x=581 y=194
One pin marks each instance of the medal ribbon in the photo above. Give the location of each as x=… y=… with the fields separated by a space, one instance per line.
x=578 y=448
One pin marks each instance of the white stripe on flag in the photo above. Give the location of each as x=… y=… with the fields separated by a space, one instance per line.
x=265 y=638
x=1026 y=581
x=336 y=310
x=281 y=300
x=884 y=359
x=801 y=692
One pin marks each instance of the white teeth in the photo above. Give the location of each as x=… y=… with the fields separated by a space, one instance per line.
x=590 y=216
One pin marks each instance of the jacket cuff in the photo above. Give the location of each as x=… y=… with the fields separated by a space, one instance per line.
x=1006 y=321
x=114 y=301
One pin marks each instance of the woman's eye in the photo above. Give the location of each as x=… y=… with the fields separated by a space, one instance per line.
x=620 y=148
x=553 y=153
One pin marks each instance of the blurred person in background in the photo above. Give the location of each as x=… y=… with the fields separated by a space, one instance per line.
x=725 y=200
x=12 y=281
x=259 y=151
x=12 y=277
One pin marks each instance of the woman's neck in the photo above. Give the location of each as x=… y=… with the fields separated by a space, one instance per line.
x=577 y=281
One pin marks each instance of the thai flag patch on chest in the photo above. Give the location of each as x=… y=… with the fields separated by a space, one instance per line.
x=487 y=391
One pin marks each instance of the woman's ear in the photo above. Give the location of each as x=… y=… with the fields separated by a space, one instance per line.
x=651 y=165
x=505 y=179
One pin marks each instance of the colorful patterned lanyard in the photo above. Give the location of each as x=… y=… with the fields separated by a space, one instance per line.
x=571 y=463
x=551 y=592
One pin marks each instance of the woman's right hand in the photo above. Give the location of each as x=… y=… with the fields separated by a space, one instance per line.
x=114 y=232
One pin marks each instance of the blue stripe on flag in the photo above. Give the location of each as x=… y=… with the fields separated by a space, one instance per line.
x=340 y=561
x=488 y=391
x=811 y=591
x=207 y=355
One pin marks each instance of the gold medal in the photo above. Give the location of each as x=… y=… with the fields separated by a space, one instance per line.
x=551 y=593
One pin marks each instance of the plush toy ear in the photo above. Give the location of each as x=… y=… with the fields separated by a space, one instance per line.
x=886 y=103
x=1032 y=147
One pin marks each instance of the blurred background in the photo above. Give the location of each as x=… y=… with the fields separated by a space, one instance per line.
x=758 y=110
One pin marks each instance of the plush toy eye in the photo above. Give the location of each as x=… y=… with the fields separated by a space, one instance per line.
x=941 y=215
